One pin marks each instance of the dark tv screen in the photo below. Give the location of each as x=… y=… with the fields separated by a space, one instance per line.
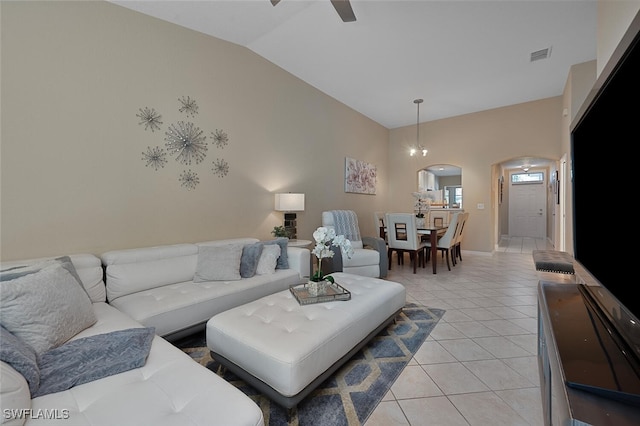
x=603 y=143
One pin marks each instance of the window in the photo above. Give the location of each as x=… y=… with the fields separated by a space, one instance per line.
x=458 y=197
x=521 y=178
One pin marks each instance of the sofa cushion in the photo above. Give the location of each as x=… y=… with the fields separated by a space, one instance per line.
x=268 y=259
x=249 y=261
x=218 y=263
x=283 y=260
x=21 y=357
x=14 y=395
x=132 y=277
x=46 y=308
x=188 y=304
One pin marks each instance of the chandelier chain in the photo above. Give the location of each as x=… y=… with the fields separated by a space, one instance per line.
x=418 y=146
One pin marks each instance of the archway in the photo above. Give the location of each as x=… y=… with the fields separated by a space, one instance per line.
x=504 y=201
x=445 y=180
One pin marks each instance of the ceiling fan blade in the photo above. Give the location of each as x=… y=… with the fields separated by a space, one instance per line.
x=274 y=2
x=343 y=7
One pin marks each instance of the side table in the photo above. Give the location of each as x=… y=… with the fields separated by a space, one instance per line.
x=299 y=243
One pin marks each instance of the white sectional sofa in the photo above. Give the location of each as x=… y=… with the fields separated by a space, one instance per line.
x=169 y=389
x=155 y=285
x=167 y=291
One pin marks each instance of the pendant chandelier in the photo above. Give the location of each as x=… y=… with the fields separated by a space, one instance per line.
x=418 y=148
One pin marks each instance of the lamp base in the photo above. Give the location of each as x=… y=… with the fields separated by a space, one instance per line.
x=290 y=225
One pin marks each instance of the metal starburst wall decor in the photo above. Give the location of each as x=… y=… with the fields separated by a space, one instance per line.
x=150 y=118
x=188 y=106
x=189 y=179
x=186 y=141
x=155 y=157
x=220 y=138
x=220 y=167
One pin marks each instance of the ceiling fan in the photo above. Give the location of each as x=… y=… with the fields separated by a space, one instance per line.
x=343 y=7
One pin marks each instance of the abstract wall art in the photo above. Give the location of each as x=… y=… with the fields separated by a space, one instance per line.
x=359 y=177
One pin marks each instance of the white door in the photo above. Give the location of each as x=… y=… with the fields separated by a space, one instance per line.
x=562 y=176
x=527 y=210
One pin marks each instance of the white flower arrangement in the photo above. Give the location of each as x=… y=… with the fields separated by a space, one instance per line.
x=423 y=201
x=326 y=238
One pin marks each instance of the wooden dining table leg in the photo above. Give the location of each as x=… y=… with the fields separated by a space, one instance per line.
x=434 y=248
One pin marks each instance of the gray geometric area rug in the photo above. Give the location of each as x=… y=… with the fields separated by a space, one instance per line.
x=351 y=394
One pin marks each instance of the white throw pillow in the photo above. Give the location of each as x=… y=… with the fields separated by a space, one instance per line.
x=45 y=308
x=218 y=263
x=268 y=259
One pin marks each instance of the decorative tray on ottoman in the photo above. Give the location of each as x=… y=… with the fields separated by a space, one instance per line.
x=333 y=292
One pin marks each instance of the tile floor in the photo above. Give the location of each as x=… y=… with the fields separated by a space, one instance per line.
x=479 y=365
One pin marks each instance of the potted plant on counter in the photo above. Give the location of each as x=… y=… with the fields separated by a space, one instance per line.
x=280 y=231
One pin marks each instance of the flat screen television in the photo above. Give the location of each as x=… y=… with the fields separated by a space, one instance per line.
x=603 y=176
x=603 y=138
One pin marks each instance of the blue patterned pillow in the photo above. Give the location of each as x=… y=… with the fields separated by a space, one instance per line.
x=249 y=261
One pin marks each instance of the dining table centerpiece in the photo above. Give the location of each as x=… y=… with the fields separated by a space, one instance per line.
x=422 y=204
x=326 y=239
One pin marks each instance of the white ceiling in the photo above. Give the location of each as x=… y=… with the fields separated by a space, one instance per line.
x=460 y=56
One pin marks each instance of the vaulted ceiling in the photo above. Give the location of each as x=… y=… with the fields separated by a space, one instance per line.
x=459 y=56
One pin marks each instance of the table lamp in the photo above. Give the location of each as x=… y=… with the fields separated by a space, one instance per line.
x=290 y=203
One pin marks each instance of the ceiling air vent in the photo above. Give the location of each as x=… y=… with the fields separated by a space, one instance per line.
x=540 y=54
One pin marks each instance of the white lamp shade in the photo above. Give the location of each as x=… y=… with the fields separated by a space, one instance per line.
x=290 y=202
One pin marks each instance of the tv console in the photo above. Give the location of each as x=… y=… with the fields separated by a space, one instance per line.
x=588 y=361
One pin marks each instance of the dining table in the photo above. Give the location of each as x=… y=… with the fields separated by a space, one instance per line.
x=433 y=231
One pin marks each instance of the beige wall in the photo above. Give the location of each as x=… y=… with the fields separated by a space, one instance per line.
x=74 y=75
x=579 y=83
x=475 y=142
x=614 y=17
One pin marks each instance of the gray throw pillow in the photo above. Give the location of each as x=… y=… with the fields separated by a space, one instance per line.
x=21 y=357
x=283 y=260
x=218 y=263
x=249 y=261
x=45 y=308
x=268 y=259
x=66 y=263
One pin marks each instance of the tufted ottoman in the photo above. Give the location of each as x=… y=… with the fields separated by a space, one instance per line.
x=286 y=350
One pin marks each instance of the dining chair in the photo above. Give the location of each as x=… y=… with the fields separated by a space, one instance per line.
x=446 y=243
x=457 y=253
x=439 y=215
x=379 y=222
x=402 y=235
